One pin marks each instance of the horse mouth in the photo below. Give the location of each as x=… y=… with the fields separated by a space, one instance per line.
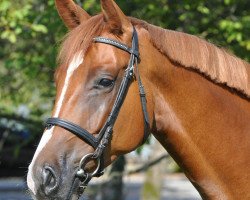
x=75 y=193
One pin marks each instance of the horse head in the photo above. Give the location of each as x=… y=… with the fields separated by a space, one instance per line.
x=97 y=100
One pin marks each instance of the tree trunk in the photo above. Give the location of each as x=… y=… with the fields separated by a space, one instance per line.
x=113 y=189
x=154 y=175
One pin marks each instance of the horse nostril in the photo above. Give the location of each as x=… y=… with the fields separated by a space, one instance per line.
x=49 y=180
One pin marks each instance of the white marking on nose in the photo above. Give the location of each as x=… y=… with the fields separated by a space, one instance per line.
x=76 y=61
x=44 y=140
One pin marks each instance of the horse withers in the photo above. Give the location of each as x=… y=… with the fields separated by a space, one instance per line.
x=120 y=78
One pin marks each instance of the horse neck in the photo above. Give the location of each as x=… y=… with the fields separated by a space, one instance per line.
x=202 y=126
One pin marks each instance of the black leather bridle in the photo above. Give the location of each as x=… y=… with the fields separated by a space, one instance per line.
x=100 y=142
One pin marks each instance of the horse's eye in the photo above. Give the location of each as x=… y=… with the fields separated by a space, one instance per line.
x=106 y=82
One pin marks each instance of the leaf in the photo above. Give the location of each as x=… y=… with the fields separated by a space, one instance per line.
x=40 y=28
x=4 y=5
x=12 y=38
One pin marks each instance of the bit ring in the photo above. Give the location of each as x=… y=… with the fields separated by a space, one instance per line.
x=81 y=173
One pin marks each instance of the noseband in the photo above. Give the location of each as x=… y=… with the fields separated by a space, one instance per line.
x=100 y=142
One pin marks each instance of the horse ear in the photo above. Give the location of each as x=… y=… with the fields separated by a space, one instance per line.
x=116 y=19
x=71 y=14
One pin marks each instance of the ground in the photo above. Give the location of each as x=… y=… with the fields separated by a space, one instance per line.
x=176 y=187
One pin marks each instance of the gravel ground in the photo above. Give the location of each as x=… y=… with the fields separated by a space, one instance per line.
x=176 y=187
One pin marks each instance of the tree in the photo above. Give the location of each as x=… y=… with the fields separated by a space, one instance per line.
x=31 y=31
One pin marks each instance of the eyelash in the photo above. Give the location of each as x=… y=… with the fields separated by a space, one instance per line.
x=106 y=83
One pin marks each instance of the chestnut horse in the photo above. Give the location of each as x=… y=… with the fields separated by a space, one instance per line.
x=197 y=105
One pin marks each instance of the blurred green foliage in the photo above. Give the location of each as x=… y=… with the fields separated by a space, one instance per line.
x=30 y=32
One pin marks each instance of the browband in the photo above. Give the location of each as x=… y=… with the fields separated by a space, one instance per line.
x=118 y=45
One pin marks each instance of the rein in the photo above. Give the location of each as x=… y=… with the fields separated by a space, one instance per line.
x=100 y=142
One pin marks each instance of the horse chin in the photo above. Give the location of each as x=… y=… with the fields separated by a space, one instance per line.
x=71 y=191
x=74 y=193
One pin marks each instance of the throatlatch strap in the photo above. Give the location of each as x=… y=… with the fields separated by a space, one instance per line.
x=144 y=105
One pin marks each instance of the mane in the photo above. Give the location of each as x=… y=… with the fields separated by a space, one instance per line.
x=195 y=53
x=186 y=50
